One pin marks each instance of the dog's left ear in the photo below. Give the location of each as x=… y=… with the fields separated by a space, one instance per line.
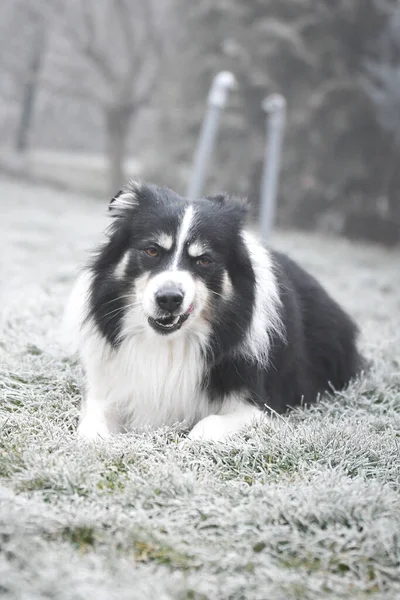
x=125 y=199
x=232 y=207
x=218 y=198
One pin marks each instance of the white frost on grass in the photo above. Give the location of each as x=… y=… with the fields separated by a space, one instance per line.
x=308 y=508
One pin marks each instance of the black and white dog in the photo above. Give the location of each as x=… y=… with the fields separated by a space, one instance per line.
x=185 y=317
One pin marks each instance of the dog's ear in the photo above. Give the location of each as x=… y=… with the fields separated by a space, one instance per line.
x=231 y=207
x=218 y=198
x=125 y=200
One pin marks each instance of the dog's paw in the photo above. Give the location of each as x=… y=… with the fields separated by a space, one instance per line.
x=90 y=431
x=209 y=429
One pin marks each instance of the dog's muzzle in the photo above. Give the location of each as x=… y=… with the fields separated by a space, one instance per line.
x=169 y=324
x=169 y=300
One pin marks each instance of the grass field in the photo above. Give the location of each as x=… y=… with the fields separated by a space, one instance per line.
x=306 y=508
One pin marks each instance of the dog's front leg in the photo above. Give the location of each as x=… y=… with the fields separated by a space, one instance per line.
x=93 y=423
x=231 y=419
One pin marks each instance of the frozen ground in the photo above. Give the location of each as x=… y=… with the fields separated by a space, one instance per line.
x=308 y=508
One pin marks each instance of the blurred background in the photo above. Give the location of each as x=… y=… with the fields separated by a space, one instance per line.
x=95 y=91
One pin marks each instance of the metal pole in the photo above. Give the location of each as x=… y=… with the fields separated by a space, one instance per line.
x=275 y=108
x=217 y=99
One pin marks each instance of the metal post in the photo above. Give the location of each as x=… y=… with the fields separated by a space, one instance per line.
x=275 y=108
x=217 y=99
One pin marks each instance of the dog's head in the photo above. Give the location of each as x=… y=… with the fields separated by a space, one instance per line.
x=168 y=264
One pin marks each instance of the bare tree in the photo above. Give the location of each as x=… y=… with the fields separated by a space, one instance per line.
x=31 y=85
x=121 y=46
x=22 y=35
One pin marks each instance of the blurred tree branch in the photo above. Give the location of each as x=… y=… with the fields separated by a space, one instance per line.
x=122 y=46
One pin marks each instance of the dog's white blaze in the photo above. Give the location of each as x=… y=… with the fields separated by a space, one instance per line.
x=196 y=249
x=121 y=266
x=182 y=236
x=165 y=241
x=182 y=279
x=266 y=318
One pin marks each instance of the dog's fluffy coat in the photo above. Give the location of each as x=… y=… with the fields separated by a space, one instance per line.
x=183 y=316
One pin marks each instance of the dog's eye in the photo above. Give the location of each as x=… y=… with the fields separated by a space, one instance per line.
x=203 y=261
x=152 y=252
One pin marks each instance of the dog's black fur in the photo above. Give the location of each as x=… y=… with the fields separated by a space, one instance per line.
x=320 y=353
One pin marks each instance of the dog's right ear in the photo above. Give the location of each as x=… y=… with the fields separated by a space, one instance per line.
x=125 y=200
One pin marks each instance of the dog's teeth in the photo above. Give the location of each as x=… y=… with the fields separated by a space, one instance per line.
x=168 y=322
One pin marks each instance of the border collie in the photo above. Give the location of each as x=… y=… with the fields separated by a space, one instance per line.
x=183 y=316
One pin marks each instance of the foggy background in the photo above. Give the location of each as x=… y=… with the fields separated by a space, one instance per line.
x=95 y=91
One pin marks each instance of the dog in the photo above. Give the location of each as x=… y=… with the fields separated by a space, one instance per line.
x=183 y=316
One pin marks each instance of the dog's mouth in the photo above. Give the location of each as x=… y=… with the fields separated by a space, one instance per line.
x=170 y=323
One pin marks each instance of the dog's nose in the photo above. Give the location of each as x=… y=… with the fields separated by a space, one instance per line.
x=169 y=300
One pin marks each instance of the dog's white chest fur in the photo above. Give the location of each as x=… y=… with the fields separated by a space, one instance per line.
x=148 y=382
